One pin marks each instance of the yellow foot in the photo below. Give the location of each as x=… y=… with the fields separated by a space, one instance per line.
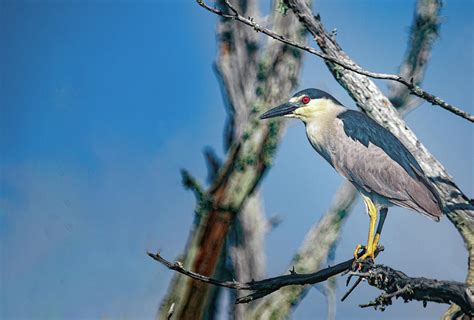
x=368 y=254
x=356 y=251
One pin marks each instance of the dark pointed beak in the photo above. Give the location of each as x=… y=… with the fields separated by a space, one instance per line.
x=281 y=110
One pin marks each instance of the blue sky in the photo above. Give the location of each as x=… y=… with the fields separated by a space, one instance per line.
x=103 y=102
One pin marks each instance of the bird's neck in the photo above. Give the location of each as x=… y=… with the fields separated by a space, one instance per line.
x=321 y=127
x=322 y=122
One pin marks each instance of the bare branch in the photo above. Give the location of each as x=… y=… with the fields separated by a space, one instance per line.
x=358 y=281
x=263 y=287
x=189 y=182
x=394 y=283
x=213 y=164
x=413 y=88
x=397 y=284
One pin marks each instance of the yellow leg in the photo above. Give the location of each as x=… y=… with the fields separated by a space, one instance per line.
x=370 y=248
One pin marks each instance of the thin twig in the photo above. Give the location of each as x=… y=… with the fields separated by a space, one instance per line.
x=178 y=266
x=359 y=280
x=414 y=89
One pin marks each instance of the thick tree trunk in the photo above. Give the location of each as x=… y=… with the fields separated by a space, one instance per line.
x=250 y=152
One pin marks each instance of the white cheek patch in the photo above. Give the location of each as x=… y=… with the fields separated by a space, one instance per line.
x=303 y=111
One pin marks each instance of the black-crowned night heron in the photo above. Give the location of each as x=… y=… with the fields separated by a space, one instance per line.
x=366 y=154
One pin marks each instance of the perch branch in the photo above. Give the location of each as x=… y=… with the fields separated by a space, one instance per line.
x=263 y=287
x=394 y=283
x=413 y=88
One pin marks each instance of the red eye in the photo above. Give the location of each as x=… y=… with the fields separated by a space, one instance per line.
x=305 y=100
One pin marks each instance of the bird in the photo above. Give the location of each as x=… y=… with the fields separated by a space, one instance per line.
x=368 y=155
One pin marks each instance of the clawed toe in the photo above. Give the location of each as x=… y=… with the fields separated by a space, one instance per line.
x=369 y=255
x=356 y=251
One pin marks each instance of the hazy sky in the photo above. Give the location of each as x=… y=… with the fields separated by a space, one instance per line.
x=103 y=102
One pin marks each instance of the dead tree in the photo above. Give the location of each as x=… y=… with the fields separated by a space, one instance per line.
x=369 y=98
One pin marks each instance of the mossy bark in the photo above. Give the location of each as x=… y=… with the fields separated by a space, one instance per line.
x=250 y=153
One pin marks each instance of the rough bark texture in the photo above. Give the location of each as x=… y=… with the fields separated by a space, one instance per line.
x=371 y=100
x=249 y=154
x=236 y=67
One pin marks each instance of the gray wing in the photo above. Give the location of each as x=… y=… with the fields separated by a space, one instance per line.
x=378 y=162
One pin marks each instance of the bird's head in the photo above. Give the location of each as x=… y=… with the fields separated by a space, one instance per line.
x=304 y=105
